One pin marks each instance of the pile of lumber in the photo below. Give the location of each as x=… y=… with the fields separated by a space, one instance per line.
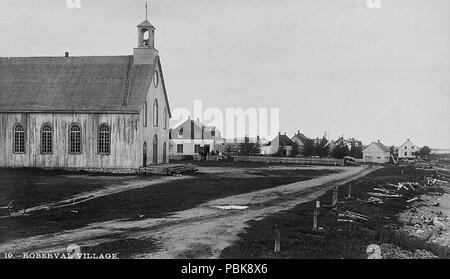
x=179 y=169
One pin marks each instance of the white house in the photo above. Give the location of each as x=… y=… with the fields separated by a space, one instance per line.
x=192 y=136
x=407 y=150
x=376 y=152
x=273 y=146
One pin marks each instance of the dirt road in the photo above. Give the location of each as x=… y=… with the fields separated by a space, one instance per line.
x=200 y=232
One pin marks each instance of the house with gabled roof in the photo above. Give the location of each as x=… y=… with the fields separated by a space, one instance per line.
x=376 y=152
x=193 y=137
x=280 y=142
x=407 y=150
x=95 y=112
x=299 y=139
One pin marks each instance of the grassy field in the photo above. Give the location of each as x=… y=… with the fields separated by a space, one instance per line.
x=150 y=202
x=337 y=240
x=36 y=186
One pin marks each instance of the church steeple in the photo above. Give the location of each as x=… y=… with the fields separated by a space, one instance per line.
x=146 y=34
x=145 y=52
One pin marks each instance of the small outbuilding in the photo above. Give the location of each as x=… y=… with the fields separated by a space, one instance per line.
x=376 y=152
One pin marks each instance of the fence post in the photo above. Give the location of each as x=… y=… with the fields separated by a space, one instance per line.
x=335 y=196
x=316 y=215
x=277 y=241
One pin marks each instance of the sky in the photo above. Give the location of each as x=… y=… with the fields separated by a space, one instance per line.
x=328 y=65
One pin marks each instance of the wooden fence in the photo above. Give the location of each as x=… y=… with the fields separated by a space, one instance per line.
x=288 y=160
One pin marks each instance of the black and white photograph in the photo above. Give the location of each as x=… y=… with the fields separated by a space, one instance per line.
x=224 y=131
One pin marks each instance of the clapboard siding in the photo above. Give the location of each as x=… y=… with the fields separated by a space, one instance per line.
x=125 y=139
x=150 y=131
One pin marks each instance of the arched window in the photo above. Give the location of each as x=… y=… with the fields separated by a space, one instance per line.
x=104 y=139
x=46 y=139
x=19 y=139
x=74 y=139
x=145 y=114
x=165 y=118
x=155 y=113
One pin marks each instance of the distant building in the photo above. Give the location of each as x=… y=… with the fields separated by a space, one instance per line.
x=351 y=143
x=299 y=139
x=273 y=146
x=407 y=150
x=376 y=152
x=192 y=136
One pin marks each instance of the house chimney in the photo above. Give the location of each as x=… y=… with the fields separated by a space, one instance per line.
x=66 y=54
x=378 y=140
x=298 y=132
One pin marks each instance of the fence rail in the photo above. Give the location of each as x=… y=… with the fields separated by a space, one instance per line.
x=287 y=160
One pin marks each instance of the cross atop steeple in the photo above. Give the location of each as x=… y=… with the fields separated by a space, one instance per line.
x=146 y=10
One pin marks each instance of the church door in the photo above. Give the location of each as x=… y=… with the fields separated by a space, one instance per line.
x=144 y=163
x=164 y=154
x=155 y=150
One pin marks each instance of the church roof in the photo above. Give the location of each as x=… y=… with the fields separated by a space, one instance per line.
x=74 y=84
x=145 y=23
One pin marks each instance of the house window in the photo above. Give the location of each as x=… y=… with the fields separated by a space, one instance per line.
x=213 y=133
x=74 y=139
x=165 y=118
x=412 y=147
x=46 y=139
x=406 y=147
x=180 y=132
x=145 y=114
x=406 y=153
x=155 y=113
x=197 y=148
x=179 y=148
x=19 y=139
x=104 y=139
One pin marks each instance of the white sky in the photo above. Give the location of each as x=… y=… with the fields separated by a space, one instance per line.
x=327 y=64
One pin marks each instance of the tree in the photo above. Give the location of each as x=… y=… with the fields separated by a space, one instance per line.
x=247 y=148
x=356 y=151
x=425 y=151
x=322 y=148
x=307 y=149
x=258 y=144
x=295 y=149
x=392 y=150
x=340 y=150
x=281 y=151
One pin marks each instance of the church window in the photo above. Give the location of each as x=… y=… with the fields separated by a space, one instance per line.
x=19 y=139
x=75 y=139
x=155 y=113
x=46 y=139
x=145 y=114
x=156 y=79
x=104 y=139
x=165 y=118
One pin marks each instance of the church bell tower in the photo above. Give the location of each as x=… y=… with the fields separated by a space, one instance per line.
x=145 y=53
